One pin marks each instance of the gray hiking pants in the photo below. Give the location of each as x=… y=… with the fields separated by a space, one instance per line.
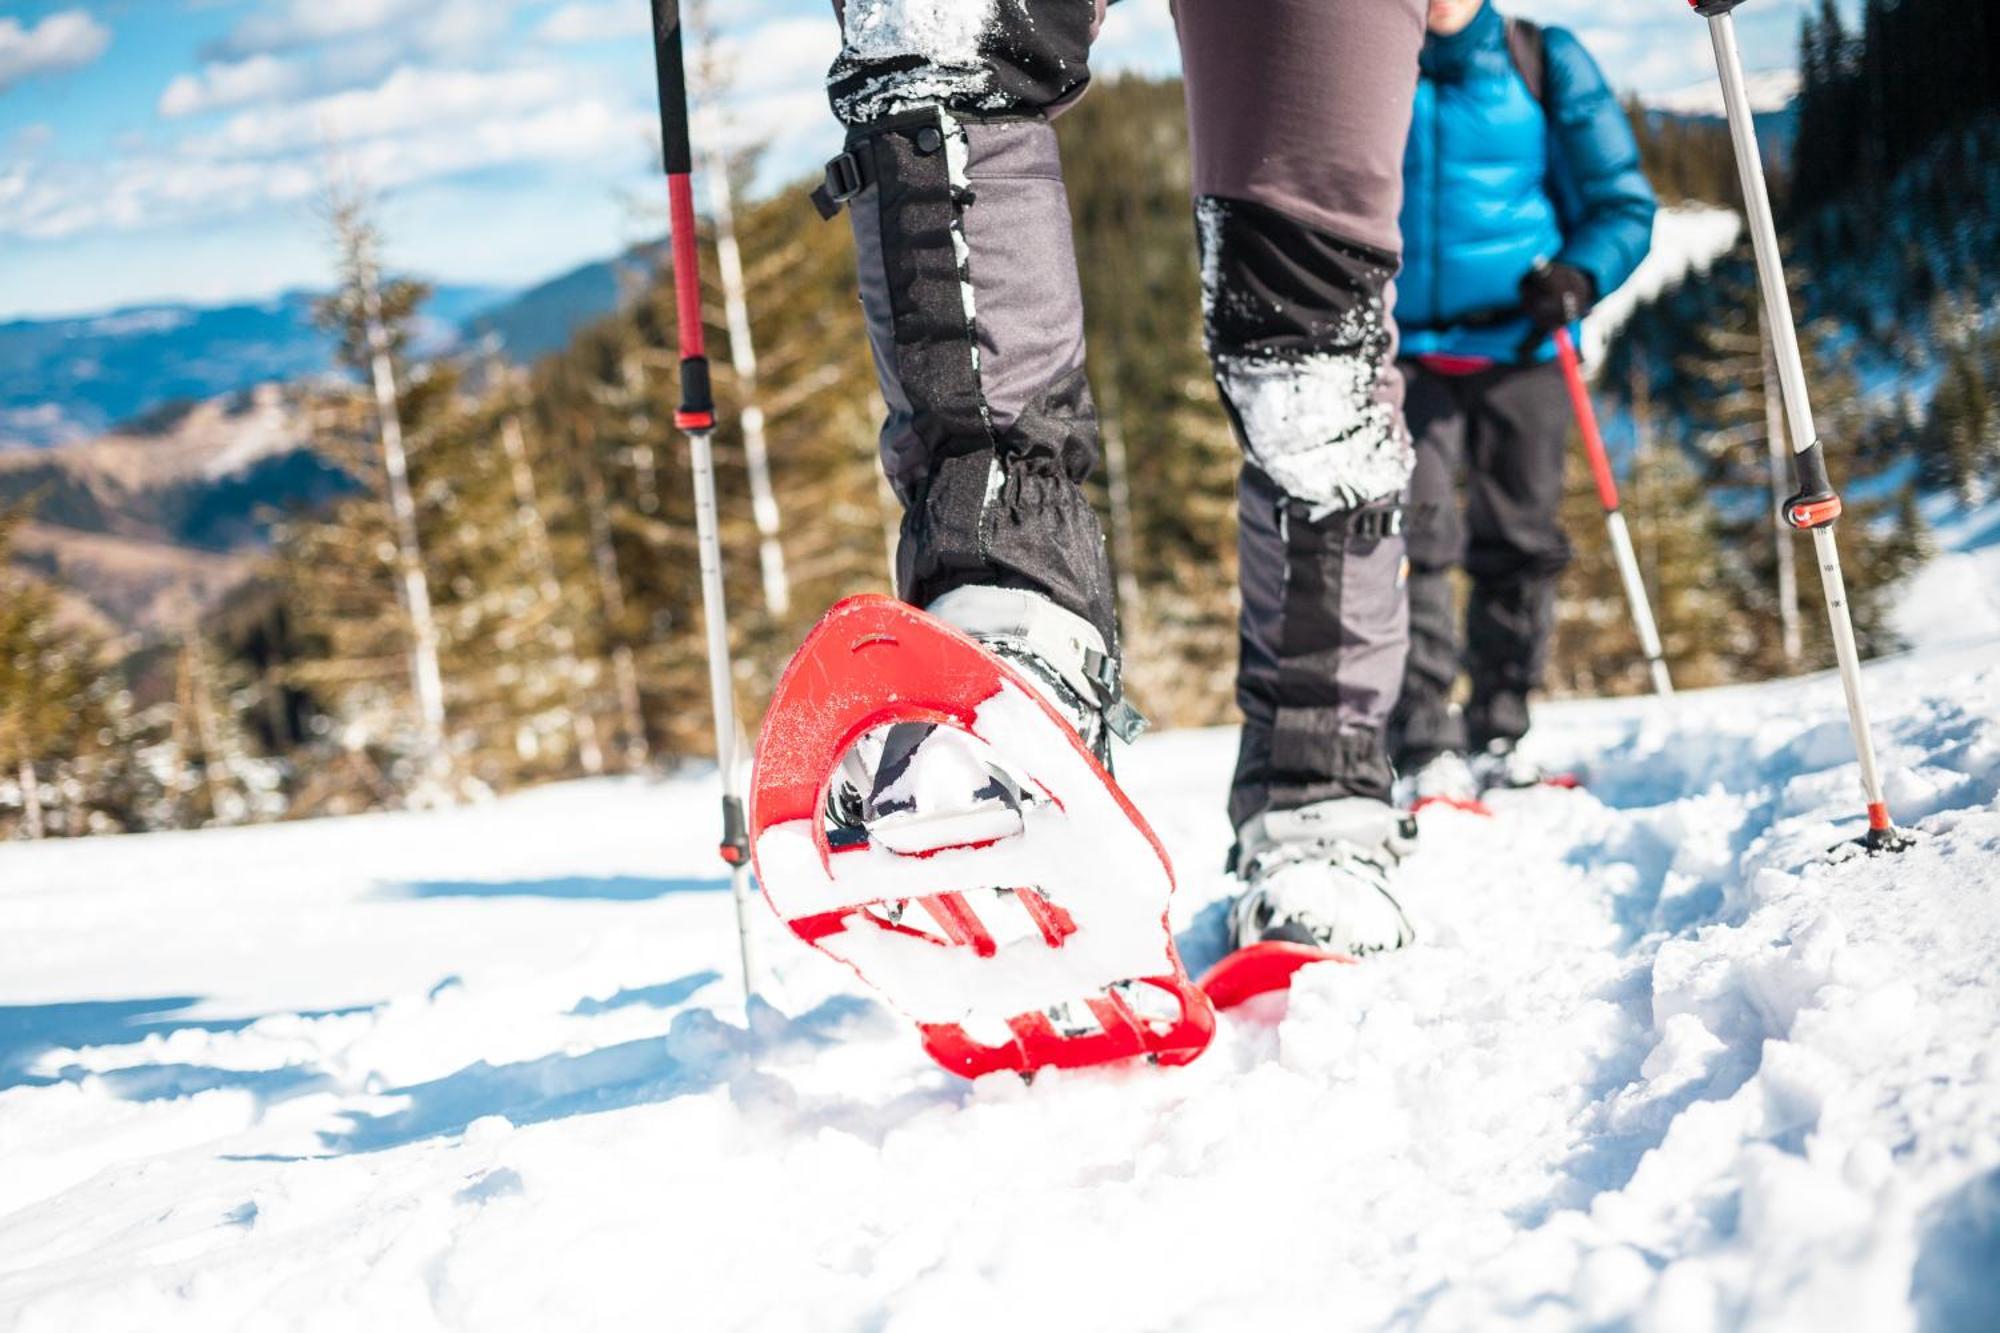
x=1505 y=430
x=1298 y=111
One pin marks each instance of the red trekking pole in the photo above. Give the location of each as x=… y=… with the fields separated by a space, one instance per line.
x=1614 y=517
x=1815 y=508
x=697 y=417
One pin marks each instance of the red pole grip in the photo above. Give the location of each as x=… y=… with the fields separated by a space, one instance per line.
x=1586 y=421
x=687 y=264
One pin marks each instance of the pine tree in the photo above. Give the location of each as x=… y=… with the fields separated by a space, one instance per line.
x=357 y=577
x=1959 y=443
x=53 y=701
x=1728 y=406
x=1677 y=541
x=1685 y=160
x=1174 y=525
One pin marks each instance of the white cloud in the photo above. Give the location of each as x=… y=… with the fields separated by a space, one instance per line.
x=412 y=100
x=774 y=93
x=31 y=139
x=224 y=84
x=65 y=41
x=338 y=44
x=1138 y=37
x=423 y=25
x=596 y=21
x=415 y=126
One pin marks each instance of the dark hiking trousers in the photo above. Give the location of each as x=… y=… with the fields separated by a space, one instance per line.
x=1506 y=431
x=1298 y=111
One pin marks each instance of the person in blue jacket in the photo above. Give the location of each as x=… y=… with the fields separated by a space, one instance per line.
x=1524 y=204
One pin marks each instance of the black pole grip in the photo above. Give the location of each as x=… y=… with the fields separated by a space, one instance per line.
x=735 y=832
x=667 y=64
x=1815 y=505
x=695 y=393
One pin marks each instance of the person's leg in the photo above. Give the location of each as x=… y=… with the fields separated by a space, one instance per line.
x=1518 y=443
x=1425 y=724
x=969 y=286
x=975 y=318
x=1298 y=111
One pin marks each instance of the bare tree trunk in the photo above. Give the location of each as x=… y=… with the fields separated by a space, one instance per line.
x=426 y=679
x=355 y=237
x=712 y=78
x=1781 y=533
x=1118 y=476
x=611 y=596
x=195 y=675
x=542 y=557
x=31 y=799
x=743 y=359
x=638 y=750
x=644 y=462
x=1648 y=539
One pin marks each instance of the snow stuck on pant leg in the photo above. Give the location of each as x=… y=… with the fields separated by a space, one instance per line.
x=1315 y=426
x=1313 y=421
x=944 y=35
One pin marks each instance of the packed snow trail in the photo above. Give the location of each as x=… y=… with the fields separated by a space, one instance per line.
x=1655 y=1063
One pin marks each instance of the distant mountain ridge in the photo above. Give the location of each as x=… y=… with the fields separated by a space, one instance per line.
x=545 y=317
x=150 y=522
x=1774 y=107
x=1770 y=90
x=70 y=379
x=156 y=442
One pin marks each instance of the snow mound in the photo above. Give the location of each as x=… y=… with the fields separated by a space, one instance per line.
x=1770 y=90
x=1955 y=597
x=1656 y=1063
x=1686 y=241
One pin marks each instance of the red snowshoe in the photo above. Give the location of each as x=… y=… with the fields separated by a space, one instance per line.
x=1045 y=946
x=1260 y=969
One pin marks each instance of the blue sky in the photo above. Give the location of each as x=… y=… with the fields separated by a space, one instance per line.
x=172 y=149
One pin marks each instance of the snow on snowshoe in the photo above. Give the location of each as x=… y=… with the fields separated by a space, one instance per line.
x=1016 y=910
x=1316 y=890
x=1503 y=766
x=1444 y=780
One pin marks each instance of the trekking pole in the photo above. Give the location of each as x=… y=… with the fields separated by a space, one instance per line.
x=1614 y=517
x=696 y=416
x=1815 y=508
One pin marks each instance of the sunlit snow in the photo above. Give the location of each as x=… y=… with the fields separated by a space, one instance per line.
x=1655 y=1059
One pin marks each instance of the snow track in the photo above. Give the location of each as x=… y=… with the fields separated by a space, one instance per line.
x=1655 y=1064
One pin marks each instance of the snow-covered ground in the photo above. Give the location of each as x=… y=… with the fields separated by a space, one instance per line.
x=1656 y=1063
x=1955 y=597
x=1686 y=241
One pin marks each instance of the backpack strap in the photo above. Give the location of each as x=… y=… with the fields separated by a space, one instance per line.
x=1528 y=46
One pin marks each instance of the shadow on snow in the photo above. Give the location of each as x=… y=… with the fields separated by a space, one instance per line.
x=663 y=996
x=29 y=1031
x=576 y=888
x=1958 y=1256
x=698 y=1053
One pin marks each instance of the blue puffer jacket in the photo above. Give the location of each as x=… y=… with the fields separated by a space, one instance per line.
x=1493 y=184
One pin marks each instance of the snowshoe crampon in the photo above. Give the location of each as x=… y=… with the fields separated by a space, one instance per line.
x=1046 y=946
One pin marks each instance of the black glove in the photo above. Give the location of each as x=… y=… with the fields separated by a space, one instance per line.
x=1553 y=295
